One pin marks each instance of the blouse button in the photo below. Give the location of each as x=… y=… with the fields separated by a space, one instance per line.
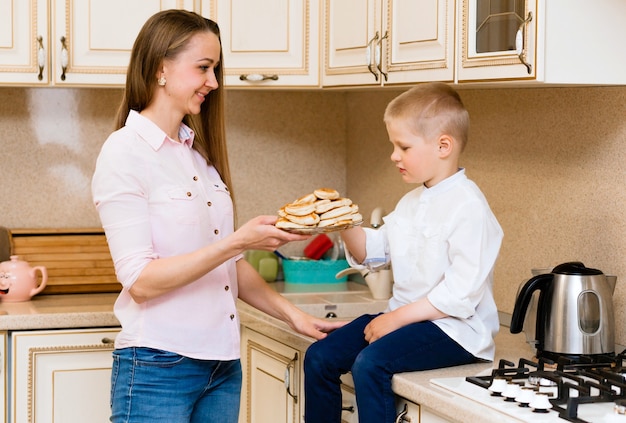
x=217 y=231
x=232 y=316
x=226 y=288
x=195 y=178
x=208 y=203
x=188 y=194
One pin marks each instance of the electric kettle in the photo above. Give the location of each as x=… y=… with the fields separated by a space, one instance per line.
x=574 y=311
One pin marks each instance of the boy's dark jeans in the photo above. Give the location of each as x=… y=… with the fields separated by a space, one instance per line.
x=418 y=346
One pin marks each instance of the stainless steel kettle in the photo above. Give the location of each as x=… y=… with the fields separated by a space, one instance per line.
x=574 y=311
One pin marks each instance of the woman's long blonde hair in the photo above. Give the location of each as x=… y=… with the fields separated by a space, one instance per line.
x=165 y=35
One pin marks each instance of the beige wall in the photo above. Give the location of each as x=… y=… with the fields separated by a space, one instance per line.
x=550 y=161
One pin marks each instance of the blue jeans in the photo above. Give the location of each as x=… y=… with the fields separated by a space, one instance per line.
x=154 y=386
x=418 y=346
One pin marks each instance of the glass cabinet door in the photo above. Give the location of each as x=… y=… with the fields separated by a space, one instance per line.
x=498 y=39
x=497 y=23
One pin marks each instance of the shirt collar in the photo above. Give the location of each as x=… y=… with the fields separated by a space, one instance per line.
x=446 y=184
x=154 y=135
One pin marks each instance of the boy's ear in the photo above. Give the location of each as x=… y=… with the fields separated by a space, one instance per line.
x=445 y=146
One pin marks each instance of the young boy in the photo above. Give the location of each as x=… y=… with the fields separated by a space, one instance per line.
x=442 y=240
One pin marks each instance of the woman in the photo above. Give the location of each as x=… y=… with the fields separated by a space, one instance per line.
x=161 y=188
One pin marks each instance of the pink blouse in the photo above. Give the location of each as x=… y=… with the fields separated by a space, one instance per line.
x=159 y=198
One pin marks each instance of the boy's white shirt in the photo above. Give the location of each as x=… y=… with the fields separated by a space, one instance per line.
x=443 y=243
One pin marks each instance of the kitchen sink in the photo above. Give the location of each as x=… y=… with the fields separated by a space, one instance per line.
x=342 y=305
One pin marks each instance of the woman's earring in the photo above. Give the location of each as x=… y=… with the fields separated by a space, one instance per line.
x=161 y=81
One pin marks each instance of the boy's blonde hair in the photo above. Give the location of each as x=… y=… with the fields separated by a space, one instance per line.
x=431 y=110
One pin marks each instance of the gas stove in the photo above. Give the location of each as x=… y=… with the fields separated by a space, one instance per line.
x=580 y=389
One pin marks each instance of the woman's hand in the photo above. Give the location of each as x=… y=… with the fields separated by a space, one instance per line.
x=314 y=327
x=260 y=233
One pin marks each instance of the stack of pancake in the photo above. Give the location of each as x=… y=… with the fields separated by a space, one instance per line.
x=321 y=210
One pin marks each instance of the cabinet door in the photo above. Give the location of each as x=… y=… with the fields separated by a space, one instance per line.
x=418 y=40
x=61 y=376
x=269 y=42
x=271 y=380
x=498 y=40
x=4 y=400
x=92 y=39
x=352 y=29
x=24 y=42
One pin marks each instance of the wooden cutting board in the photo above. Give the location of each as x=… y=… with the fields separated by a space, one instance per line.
x=77 y=260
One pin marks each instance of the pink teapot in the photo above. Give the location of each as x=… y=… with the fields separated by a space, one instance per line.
x=19 y=281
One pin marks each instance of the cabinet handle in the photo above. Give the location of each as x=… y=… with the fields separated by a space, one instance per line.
x=348 y=408
x=41 y=57
x=368 y=56
x=520 y=42
x=379 y=55
x=288 y=378
x=107 y=340
x=65 y=60
x=255 y=77
x=402 y=415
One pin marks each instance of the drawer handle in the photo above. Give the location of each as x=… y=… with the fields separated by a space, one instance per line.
x=288 y=377
x=520 y=42
x=108 y=341
x=348 y=408
x=379 y=55
x=255 y=77
x=65 y=59
x=369 y=56
x=402 y=415
x=41 y=57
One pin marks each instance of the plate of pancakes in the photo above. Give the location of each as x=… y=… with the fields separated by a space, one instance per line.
x=323 y=210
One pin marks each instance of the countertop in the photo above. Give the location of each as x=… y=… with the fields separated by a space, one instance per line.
x=96 y=310
x=59 y=312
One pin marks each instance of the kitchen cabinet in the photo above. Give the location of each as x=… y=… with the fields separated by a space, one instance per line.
x=61 y=376
x=560 y=41
x=268 y=43
x=382 y=42
x=72 y=43
x=272 y=374
x=3 y=369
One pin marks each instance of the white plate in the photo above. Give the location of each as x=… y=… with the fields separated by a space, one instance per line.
x=325 y=229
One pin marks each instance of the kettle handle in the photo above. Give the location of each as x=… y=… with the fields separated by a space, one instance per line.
x=539 y=282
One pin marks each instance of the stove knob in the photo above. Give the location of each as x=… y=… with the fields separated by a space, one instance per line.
x=498 y=384
x=511 y=391
x=541 y=403
x=526 y=396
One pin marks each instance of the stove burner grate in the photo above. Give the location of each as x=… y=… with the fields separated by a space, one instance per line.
x=576 y=379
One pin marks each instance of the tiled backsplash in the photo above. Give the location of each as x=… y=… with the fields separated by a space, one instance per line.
x=549 y=160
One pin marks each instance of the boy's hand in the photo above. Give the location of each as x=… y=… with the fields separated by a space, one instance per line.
x=381 y=326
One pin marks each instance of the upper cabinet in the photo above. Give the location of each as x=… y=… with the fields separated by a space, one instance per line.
x=381 y=42
x=270 y=43
x=329 y=43
x=73 y=43
x=556 y=41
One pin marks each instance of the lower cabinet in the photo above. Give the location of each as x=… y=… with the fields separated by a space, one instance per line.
x=60 y=376
x=4 y=336
x=272 y=379
x=273 y=392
